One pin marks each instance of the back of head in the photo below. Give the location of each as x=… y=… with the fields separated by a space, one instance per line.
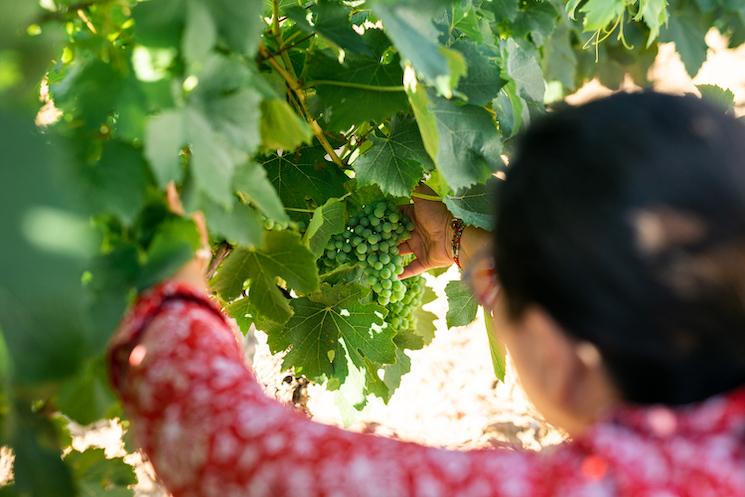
x=625 y=220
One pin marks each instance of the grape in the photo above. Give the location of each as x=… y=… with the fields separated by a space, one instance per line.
x=370 y=242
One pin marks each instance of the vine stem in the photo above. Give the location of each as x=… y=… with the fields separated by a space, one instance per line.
x=359 y=86
x=295 y=209
x=297 y=90
x=424 y=196
x=222 y=253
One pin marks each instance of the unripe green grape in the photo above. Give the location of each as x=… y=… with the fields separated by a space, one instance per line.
x=347 y=248
x=385 y=273
x=385 y=258
x=386 y=283
x=378 y=266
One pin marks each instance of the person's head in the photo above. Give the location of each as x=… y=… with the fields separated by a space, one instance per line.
x=620 y=248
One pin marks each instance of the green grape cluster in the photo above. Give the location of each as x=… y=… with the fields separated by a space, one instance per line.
x=272 y=225
x=371 y=240
x=401 y=314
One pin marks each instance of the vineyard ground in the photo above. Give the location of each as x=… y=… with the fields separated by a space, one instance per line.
x=450 y=398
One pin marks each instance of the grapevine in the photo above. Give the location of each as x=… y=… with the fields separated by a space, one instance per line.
x=285 y=123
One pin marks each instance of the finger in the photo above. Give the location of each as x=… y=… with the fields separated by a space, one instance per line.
x=174 y=200
x=412 y=269
x=404 y=248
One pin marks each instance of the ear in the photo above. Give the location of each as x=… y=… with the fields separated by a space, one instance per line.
x=559 y=367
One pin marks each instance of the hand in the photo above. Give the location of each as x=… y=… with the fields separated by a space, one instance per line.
x=431 y=238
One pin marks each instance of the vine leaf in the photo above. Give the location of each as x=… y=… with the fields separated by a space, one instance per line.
x=281 y=128
x=469 y=143
x=239 y=225
x=118 y=183
x=200 y=33
x=482 y=82
x=331 y=20
x=327 y=220
x=415 y=36
x=462 y=307
x=87 y=397
x=339 y=105
x=474 y=205
x=601 y=13
x=212 y=163
x=251 y=182
x=522 y=67
x=282 y=255
x=312 y=336
x=237 y=117
x=304 y=175
x=99 y=476
x=717 y=95
x=395 y=162
x=394 y=372
x=688 y=32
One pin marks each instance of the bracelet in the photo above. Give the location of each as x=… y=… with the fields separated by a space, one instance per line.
x=458 y=226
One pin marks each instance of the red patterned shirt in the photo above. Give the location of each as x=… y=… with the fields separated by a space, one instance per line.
x=210 y=431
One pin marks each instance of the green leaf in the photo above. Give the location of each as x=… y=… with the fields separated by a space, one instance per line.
x=503 y=10
x=717 y=95
x=304 y=175
x=462 y=306
x=416 y=38
x=281 y=128
x=159 y=23
x=362 y=88
x=511 y=110
x=101 y=477
x=87 y=397
x=688 y=31
x=331 y=20
x=496 y=348
x=239 y=225
x=200 y=34
x=38 y=467
x=425 y=120
x=327 y=220
x=559 y=59
x=237 y=117
x=475 y=205
x=243 y=312
x=482 y=83
x=211 y=163
x=522 y=67
x=173 y=245
x=119 y=182
x=601 y=13
x=654 y=13
x=311 y=337
x=164 y=137
x=239 y=23
x=395 y=162
x=537 y=20
x=394 y=372
x=470 y=147
x=283 y=255
x=253 y=186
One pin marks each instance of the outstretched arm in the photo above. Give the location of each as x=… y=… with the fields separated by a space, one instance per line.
x=209 y=430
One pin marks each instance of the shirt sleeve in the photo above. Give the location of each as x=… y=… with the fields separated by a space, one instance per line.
x=209 y=430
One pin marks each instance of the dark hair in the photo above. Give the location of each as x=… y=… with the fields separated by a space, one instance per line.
x=624 y=219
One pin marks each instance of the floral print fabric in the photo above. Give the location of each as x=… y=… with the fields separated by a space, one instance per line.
x=210 y=431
